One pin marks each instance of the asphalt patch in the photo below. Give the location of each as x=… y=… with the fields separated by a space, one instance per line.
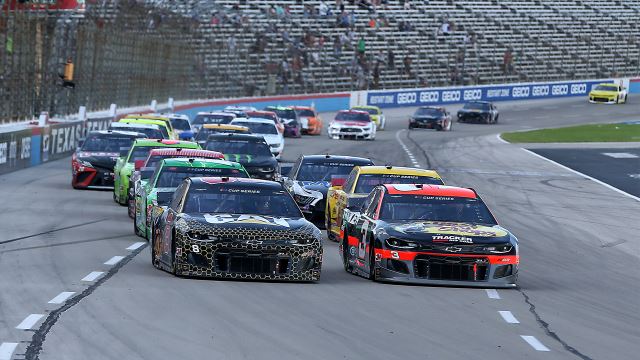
x=621 y=171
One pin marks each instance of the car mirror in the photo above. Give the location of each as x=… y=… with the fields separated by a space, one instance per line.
x=137 y=165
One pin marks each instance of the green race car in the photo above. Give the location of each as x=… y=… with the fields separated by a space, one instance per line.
x=139 y=152
x=158 y=189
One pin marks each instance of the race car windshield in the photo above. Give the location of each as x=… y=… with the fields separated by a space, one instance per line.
x=476 y=106
x=108 y=144
x=181 y=124
x=251 y=149
x=606 y=88
x=212 y=119
x=323 y=171
x=285 y=114
x=428 y=112
x=258 y=128
x=352 y=116
x=240 y=200
x=203 y=134
x=369 y=110
x=262 y=116
x=305 y=113
x=435 y=208
x=367 y=182
x=139 y=153
x=172 y=176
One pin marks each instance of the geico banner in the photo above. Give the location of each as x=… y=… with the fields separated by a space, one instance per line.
x=421 y=97
x=15 y=150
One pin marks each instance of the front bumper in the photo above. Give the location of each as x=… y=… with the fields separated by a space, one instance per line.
x=470 y=270
x=93 y=178
x=248 y=259
x=473 y=117
x=601 y=100
x=350 y=133
x=426 y=124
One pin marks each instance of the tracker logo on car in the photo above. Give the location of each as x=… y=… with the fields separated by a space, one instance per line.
x=452 y=238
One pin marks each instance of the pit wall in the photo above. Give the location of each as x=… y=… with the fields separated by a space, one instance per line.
x=34 y=145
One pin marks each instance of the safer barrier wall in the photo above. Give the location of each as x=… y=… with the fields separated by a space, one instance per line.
x=443 y=96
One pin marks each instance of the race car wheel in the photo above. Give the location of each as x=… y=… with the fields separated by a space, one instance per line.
x=135 y=229
x=439 y=128
x=449 y=125
x=495 y=121
x=372 y=261
x=487 y=120
x=625 y=99
x=345 y=253
x=154 y=252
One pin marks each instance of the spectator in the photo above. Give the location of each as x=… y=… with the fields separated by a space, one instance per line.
x=507 y=61
x=445 y=28
x=231 y=44
x=376 y=75
x=337 y=47
x=391 y=59
x=407 y=65
x=361 y=46
x=323 y=9
x=407 y=4
x=272 y=11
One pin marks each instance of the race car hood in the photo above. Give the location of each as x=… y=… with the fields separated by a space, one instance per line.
x=251 y=160
x=603 y=93
x=272 y=139
x=319 y=186
x=351 y=123
x=428 y=118
x=446 y=232
x=101 y=159
x=261 y=222
x=472 y=111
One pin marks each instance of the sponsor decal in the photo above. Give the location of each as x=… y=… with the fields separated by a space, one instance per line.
x=450 y=228
x=452 y=238
x=245 y=219
x=237 y=157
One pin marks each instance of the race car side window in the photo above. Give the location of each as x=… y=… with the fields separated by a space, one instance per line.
x=348 y=184
x=372 y=204
x=178 y=195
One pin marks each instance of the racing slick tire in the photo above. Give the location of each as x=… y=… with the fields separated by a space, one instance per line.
x=439 y=128
x=345 y=253
x=154 y=260
x=410 y=127
x=135 y=228
x=495 y=121
x=488 y=120
x=372 y=262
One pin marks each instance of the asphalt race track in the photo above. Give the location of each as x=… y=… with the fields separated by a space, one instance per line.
x=579 y=280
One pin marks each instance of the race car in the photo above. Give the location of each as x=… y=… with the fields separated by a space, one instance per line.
x=428 y=234
x=139 y=151
x=236 y=229
x=479 y=111
x=310 y=177
x=431 y=117
x=209 y=129
x=159 y=188
x=267 y=129
x=239 y=111
x=310 y=121
x=181 y=125
x=289 y=118
x=145 y=168
x=151 y=131
x=162 y=126
x=155 y=117
x=270 y=115
x=350 y=124
x=349 y=192
x=608 y=94
x=252 y=151
x=203 y=118
x=92 y=164
x=375 y=113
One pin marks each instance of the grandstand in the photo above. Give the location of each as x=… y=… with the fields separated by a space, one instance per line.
x=546 y=40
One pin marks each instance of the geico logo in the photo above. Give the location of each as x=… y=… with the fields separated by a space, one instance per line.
x=559 y=89
x=522 y=91
x=429 y=96
x=578 y=88
x=473 y=94
x=451 y=95
x=540 y=90
x=407 y=98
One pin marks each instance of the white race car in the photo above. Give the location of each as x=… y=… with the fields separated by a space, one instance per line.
x=267 y=129
x=352 y=124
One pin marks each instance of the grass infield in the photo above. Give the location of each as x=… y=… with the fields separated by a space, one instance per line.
x=581 y=133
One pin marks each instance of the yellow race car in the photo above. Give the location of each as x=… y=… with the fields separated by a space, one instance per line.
x=351 y=191
x=375 y=113
x=608 y=94
x=150 y=117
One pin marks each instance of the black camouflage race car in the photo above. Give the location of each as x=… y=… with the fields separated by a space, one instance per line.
x=236 y=228
x=428 y=234
x=479 y=111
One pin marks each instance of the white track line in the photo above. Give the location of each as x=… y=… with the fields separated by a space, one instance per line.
x=62 y=297
x=492 y=293
x=29 y=321
x=114 y=260
x=508 y=317
x=413 y=159
x=535 y=343
x=136 y=246
x=92 y=276
x=584 y=175
x=7 y=349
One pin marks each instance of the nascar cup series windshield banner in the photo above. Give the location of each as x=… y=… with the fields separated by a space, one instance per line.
x=443 y=96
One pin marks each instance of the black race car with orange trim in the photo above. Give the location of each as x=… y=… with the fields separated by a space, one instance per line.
x=235 y=228
x=428 y=234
